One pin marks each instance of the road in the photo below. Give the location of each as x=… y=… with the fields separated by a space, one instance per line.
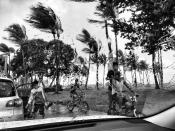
x=61 y=111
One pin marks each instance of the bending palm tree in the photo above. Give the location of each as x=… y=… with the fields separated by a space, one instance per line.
x=45 y=19
x=87 y=39
x=95 y=59
x=18 y=35
x=7 y=50
x=143 y=67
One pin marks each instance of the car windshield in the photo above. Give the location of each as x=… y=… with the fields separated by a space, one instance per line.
x=6 y=88
x=79 y=58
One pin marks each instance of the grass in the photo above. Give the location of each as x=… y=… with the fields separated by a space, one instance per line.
x=150 y=101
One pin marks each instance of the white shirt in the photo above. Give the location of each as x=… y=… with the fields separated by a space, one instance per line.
x=117 y=87
x=34 y=91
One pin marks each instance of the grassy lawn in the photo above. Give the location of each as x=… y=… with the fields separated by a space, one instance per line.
x=150 y=101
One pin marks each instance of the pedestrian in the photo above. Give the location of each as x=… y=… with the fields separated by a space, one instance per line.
x=37 y=99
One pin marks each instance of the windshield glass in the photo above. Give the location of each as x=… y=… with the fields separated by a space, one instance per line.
x=6 y=88
x=71 y=58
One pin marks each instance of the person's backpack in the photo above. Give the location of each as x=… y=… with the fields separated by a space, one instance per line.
x=39 y=98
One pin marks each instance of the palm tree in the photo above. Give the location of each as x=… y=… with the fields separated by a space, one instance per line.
x=157 y=69
x=143 y=67
x=82 y=63
x=7 y=50
x=103 y=61
x=132 y=64
x=91 y=48
x=95 y=59
x=45 y=19
x=106 y=10
x=17 y=34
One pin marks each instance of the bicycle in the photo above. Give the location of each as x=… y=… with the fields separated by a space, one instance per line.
x=78 y=101
x=128 y=107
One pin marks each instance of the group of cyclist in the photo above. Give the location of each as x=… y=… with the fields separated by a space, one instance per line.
x=117 y=83
x=115 y=89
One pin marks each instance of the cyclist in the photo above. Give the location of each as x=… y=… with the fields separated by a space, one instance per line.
x=118 y=84
x=73 y=92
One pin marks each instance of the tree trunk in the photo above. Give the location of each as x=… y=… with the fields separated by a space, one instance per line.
x=104 y=76
x=57 y=77
x=154 y=72
x=52 y=80
x=9 y=63
x=116 y=44
x=24 y=66
x=106 y=29
x=87 y=78
x=140 y=77
x=147 y=77
x=97 y=75
x=143 y=78
x=161 y=69
x=135 y=81
x=57 y=64
x=5 y=65
x=124 y=71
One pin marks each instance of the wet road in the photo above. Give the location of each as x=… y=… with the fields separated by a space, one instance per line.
x=61 y=111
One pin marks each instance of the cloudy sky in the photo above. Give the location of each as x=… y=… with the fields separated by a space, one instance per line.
x=74 y=18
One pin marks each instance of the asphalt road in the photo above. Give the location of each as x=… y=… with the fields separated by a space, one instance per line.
x=61 y=111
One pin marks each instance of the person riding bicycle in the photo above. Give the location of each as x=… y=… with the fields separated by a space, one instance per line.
x=37 y=99
x=117 y=84
x=73 y=92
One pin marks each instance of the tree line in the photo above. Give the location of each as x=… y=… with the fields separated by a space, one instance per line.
x=148 y=26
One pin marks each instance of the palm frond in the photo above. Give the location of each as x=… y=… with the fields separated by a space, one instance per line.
x=4 y=48
x=86 y=33
x=82 y=39
x=45 y=19
x=17 y=33
x=41 y=18
x=103 y=59
x=95 y=21
x=85 y=37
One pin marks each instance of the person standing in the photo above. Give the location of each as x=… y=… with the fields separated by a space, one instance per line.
x=37 y=99
x=110 y=72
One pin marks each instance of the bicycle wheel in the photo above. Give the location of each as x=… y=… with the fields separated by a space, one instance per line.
x=114 y=109
x=83 y=107
x=70 y=106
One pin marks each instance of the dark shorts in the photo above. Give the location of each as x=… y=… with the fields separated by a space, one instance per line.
x=39 y=107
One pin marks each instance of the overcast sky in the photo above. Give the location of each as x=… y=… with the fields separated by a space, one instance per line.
x=74 y=18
